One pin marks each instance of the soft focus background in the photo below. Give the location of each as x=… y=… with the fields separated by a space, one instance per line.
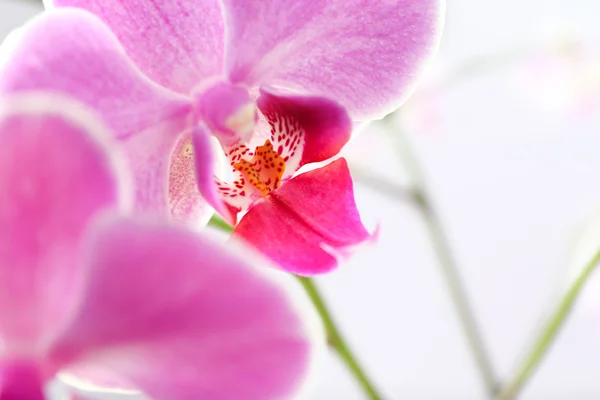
x=507 y=127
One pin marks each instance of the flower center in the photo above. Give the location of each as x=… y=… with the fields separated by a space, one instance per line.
x=228 y=110
x=264 y=170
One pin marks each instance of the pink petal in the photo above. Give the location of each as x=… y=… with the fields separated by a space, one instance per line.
x=187 y=318
x=71 y=51
x=55 y=175
x=176 y=43
x=185 y=201
x=20 y=381
x=228 y=111
x=306 y=224
x=364 y=54
x=148 y=159
x=304 y=129
x=205 y=161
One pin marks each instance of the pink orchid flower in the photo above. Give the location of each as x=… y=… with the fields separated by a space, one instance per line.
x=84 y=287
x=279 y=83
x=563 y=80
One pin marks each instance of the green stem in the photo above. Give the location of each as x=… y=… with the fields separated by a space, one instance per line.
x=220 y=224
x=334 y=337
x=337 y=341
x=548 y=333
x=449 y=269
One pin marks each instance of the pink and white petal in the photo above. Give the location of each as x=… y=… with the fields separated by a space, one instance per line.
x=56 y=174
x=72 y=52
x=215 y=327
x=57 y=389
x=236 y=151
x=234 y=190
x=306 y=224
x=304 y=129
x=238 y=195
x=185 y=201
x=206 y=160
x=366 y=55
x=148 y=160
x=176 y=43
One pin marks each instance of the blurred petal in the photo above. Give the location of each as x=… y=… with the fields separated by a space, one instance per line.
x=188 y=318
x=304 y=129
x=563 y=81
x=308 y=223
x=55 y=175
x=20 y=381
x=176 y=43
x=364 y=54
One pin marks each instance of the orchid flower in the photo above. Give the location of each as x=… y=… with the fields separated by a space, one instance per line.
x=85 y=286
x=279 y=83
x=563 y=80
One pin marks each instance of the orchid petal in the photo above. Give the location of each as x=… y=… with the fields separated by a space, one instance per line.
x=55 y=175
x=176 y=43
x=228 y=111
x=185 y=201
x=21 y=380
x=237 y=196
x=308 y=222
x=304 y=129
x=148 y=160
x=187 y=318
x=364 y=54
x=71 y=51
x=205 y=161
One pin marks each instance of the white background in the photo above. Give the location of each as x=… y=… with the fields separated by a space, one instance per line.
x=515 y=184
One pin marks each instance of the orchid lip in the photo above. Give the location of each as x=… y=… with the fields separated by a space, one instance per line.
x=264 y=170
